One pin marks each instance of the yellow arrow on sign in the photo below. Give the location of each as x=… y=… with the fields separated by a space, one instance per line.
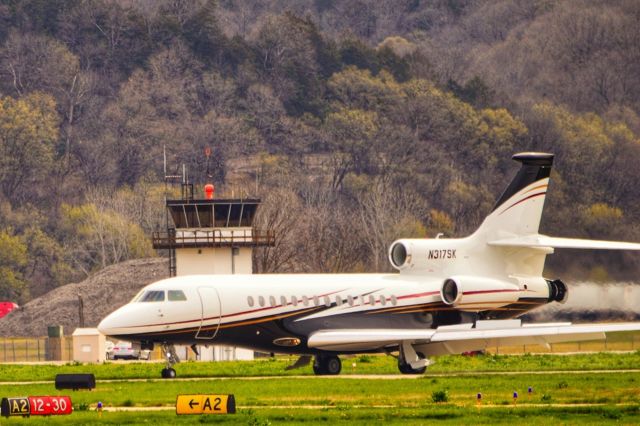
x=205 y=404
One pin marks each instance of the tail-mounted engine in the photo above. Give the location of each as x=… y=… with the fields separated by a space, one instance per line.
x=476 y=293
x=423 y=254
x=558 y=291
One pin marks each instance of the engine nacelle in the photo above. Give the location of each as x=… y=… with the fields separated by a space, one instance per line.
x=421 y=254
x=477 y=293
x=400 y=255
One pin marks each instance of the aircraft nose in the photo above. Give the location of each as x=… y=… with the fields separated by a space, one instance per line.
x=116 y=322
x=107 y=325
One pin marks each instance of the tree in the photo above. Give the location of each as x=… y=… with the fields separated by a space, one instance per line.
x=96 y=238
x=285 y=223
x=385 y=215
x=357 y=89
x=13 y=258
x=350 y=133
x=287 y=59
x=28 y=133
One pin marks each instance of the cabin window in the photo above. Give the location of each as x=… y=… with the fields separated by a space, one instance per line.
x=394 y=300
x=176 y=296
x=261 y=301
x=350 y=300
x=372 y=300
x=383 y=300
x=250 y=301
x=153 y=296
x=338 y=300
x=316 y=300
x=305 y=300
x=283 y=301
x=272 y=301
x=294 y=300
x=327 y=301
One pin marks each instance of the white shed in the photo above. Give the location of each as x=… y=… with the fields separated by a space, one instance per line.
x=88 y=345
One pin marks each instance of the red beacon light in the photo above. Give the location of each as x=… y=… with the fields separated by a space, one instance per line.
x=209 y=189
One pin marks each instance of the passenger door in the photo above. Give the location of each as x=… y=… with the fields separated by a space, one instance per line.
x=210 y=313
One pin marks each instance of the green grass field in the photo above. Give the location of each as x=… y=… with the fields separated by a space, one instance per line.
x=574 y=396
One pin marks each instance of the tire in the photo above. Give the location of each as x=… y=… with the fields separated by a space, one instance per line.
x=318 y=370
x=406 y=368
x=333 y=365
x=168 y=373
x=327 y=365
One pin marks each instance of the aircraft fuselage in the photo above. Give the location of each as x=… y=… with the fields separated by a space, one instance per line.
x=276 y=313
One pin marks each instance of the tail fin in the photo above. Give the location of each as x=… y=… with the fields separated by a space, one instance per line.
x=519 y=209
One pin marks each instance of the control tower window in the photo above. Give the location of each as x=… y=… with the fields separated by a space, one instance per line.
x=176 y=296
x=152 y=296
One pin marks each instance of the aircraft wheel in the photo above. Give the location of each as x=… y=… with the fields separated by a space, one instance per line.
x=168 y=373
x=327 y=365
x=405 y=368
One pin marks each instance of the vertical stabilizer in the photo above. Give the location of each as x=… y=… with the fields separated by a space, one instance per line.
x=519 y=209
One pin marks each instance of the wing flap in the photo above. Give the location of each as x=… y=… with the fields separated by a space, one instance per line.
x=538 y=240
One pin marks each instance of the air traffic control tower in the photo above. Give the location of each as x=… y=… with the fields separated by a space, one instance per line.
x=211 y=235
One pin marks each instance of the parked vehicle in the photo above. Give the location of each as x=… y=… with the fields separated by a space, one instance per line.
x=126 y=350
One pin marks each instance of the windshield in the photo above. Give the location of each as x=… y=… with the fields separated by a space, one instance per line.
x=137 y=297
x=152 y=296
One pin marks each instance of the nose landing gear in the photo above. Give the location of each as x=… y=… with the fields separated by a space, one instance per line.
x=172 y=358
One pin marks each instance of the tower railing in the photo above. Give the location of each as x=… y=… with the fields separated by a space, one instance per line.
x=187 y=238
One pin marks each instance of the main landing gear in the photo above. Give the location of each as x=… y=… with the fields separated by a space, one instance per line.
x=410 y=361
x=327 y=365
x=172 y=358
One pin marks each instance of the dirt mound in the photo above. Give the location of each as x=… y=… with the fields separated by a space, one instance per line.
x=102 y=293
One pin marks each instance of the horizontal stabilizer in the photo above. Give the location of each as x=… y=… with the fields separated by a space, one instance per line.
x=533 y=241
x=451 y=340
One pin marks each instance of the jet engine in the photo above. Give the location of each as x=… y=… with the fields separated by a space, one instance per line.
x=476 y=293
x=399 y=255
x=420 y=254
x=558 y=291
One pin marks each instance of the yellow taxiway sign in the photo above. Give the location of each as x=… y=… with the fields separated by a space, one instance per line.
x=205 y=404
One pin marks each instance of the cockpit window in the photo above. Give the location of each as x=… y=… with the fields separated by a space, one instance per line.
x=137 y=296
x=152 y=296
x=176 y=296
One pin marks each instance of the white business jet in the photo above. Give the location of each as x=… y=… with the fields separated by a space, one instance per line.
x=450 y=296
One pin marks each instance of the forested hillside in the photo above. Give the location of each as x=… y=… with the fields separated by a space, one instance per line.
x=356 y=122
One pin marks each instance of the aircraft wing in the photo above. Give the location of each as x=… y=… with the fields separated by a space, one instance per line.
x=365 y=339
x=463 y=338
x=532 y=241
